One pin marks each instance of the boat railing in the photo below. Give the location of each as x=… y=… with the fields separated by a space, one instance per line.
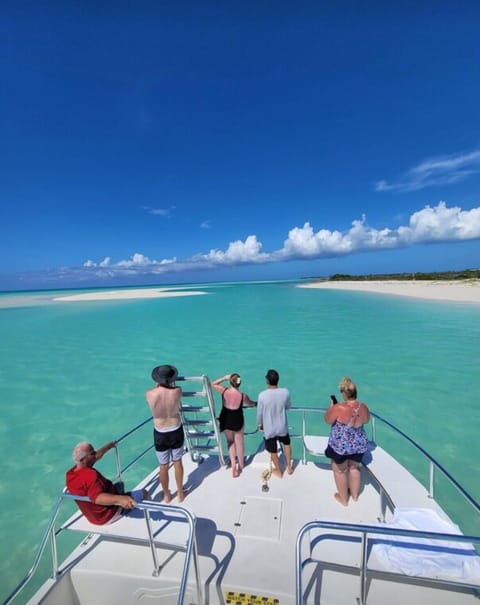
x=367 y=535
x=201 y=429
x=171 y=513
x=135 y=459
x=52 y=531
x=433 y=464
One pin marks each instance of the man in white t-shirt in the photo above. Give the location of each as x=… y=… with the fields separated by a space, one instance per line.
x=272 y=420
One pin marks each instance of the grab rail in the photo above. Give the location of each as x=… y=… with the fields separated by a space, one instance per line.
x=211 y=404
x=434 y=465
x=169 y=510
x=51 y=533
x=365 y=531
x=214 y=434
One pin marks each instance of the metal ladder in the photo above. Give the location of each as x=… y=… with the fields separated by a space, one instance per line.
x=202 y=435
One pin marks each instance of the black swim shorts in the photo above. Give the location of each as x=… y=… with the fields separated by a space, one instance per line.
x=271 y=444
x=172 y=440
x=340 y=458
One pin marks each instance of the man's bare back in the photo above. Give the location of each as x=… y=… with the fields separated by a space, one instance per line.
x=164 y=403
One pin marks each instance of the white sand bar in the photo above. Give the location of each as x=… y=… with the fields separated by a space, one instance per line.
x=128 y=294
x=465 y=291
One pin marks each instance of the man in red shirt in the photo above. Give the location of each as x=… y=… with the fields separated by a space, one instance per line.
x=82 y=479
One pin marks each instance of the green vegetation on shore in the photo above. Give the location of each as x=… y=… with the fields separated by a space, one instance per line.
x=438 y=276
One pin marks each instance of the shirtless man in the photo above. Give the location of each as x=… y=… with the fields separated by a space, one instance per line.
x=164 y=401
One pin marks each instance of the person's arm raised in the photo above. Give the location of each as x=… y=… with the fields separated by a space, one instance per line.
x=104 y=449
x=216 y=384
x=332 y=413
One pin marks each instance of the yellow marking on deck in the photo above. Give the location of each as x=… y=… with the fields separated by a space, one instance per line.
x=242 y=598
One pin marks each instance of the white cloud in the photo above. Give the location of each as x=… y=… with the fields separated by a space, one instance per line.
x=159 y=211
x=430 y=224
x=104 y=263
x=303 y=242
x=441 y=170
x=437 y=224
x=238 y=252
x=441 y=224
x=137 y=260
x=206 y=224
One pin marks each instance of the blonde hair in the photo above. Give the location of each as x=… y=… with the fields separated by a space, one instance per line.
x=348 y=387
x=235 y=380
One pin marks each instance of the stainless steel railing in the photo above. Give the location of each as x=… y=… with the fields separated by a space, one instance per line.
x=213 y=437
x=365 y=535
x=434 y=465
x=50 y=534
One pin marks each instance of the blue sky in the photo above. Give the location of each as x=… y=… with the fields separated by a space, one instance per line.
x=168 y=142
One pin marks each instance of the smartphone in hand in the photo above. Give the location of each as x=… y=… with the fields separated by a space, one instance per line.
x=333 y=399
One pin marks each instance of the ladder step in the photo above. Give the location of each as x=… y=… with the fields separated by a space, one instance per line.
x=198 y=422
x=193 y=393
x=195 y=408
x=197 y=434
x=204 y=448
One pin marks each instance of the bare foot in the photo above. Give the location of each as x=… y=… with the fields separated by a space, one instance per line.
x=181 y=493
x=354 y=498
x=339 y=499
x=290 y=470
x=167 y=498
x=277 y=473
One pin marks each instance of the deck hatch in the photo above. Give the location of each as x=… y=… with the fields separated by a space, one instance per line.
x=259 y=518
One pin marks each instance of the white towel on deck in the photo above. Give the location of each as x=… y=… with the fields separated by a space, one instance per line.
x=423 y=557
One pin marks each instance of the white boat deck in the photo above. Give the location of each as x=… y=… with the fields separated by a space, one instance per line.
x=246 y=541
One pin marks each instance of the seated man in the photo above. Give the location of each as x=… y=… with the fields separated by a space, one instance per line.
x=106 y=504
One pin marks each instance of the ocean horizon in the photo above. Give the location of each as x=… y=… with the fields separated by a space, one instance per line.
x=75 y=371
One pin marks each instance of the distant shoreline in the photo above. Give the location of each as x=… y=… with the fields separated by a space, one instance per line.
x=464 y=291
x=454 y=290
x=128 y=294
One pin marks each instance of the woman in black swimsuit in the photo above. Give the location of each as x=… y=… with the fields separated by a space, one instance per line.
x=231 y=418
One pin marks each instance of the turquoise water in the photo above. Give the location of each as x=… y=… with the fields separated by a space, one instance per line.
x=76 y=371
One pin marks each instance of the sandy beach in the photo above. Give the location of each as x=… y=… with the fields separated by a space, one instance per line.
x=467 y=291
x=128 y=294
